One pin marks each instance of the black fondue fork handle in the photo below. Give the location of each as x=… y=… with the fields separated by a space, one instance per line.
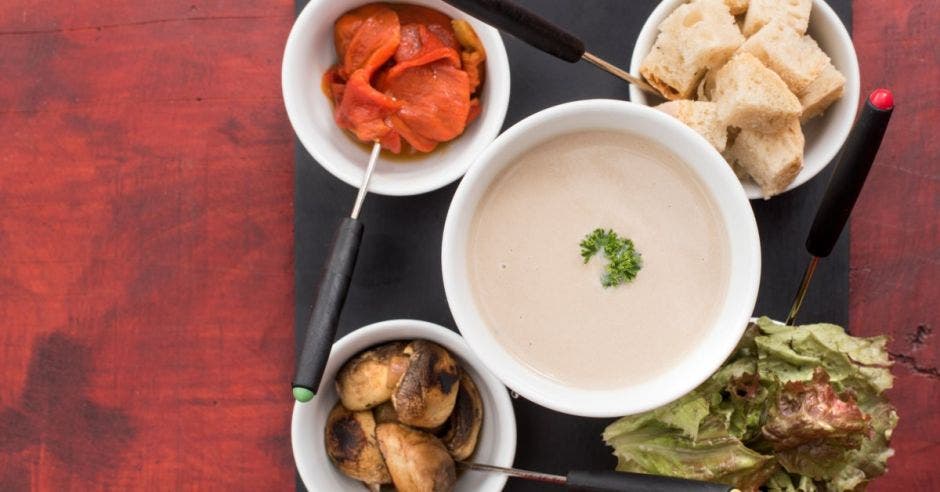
x=327 y=306
x=525 y=25
x=845 y=185
x=850 y=173
x=613 y=481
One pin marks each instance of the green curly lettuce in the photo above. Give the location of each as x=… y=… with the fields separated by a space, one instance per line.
x=797 y=409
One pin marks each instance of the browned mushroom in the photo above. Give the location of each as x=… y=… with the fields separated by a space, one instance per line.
x=352 y=446
x=463 y=427
x=385 y=413
x=369 y=378
x=417 y=461
x=426 y=394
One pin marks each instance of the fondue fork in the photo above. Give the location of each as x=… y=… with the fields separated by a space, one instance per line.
x=539 y=33
x=605 y=480
x=331 y=294
x=845 y=185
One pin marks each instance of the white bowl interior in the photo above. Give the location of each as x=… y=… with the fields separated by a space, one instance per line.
x=310 y=52
x=497 y=444
x=716 y=177
x=824 y=134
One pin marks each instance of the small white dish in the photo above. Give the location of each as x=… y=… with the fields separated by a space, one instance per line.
x=824 y=134
x=310 y=52
x=497 y=444
x=717 y=180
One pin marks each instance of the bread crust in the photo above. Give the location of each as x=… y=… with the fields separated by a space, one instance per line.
x=694 y=38
x=822 y=93
x=753 y=97
x=797 y=59
x=772 y=160
x=701 y=116
x=794 y=13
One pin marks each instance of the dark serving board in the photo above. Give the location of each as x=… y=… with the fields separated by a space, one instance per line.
x=399 y=274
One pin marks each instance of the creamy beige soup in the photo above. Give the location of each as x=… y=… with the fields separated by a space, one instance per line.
x=549 y=308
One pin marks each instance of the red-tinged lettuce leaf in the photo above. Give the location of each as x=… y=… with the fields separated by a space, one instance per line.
x=811 y=428
x=789 y=353
x=871 y=459
x=857 y=366
x=715 y=455
x=774 y=381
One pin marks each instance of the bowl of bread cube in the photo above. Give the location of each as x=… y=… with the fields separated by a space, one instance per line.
x=773 y=85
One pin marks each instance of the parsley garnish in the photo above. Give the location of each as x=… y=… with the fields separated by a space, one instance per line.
x=623 y=260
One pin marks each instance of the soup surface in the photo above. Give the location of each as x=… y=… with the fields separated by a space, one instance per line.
x=548 y=307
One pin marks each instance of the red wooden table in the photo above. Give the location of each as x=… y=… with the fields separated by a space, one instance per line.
x=146 y=276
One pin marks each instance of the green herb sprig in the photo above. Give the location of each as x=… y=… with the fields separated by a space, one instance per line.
x=623 y=260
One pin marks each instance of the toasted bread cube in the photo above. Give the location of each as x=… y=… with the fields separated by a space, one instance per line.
x=771 y=160
x=739 y=171
x=794 y=13
x=706 y=88
x=665 y=70
x=693 y=13
x=825 y=90
x=751 y=96
x=701 y=116
x=737 y=7
x=695 y=37
x=796 y=59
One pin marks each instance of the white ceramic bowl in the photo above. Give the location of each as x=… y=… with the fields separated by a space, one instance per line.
x=719 y=182
x=497 y=444
x=310 y=52
x=824 y=134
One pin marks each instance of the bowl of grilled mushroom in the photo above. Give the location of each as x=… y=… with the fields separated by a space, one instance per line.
x=402 y=402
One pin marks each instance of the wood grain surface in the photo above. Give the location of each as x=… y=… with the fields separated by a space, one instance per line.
x=146 y=256
x=146 y=187
x=895 y=232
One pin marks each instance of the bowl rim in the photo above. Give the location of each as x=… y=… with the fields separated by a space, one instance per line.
x=398 y=329
x=526 y=381
x=490 y=121
x=844 y=120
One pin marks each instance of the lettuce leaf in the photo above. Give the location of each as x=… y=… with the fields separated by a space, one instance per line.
x=792 y=353
x=784 y=482
x=714 y=455
x=792 y=409
x=811 y=428
x=871 y=459
x=684 y=415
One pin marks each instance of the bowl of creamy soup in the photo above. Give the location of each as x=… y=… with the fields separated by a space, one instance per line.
x=601 y=258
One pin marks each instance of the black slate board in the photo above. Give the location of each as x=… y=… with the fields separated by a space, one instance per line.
x=399 y=275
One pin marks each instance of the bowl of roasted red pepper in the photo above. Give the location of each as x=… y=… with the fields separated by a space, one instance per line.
x=423 y=80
